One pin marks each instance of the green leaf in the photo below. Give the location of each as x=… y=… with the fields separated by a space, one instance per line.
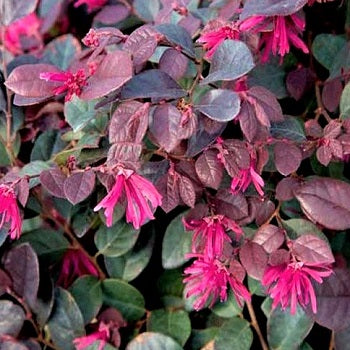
x=46 y=145
x=297 y=227
x=345 y=103
x=87 y=292
x=4 y=157
x=66 y=322
x=266 y=307
x=170 y=283
x=255 y=287
x=34 y=168
x=96 y=346
x=11 y=318
x=175 y=324
x=234 y=334
x=79 y=112
x=153 y=341
x=286 y=331
x=147 y=10
x=176 y=244
x=201 y=337
x=291 y=128
x=116 y=240
x=227 y=309
x=124 y=297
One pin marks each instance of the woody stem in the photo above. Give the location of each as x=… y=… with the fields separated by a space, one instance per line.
x=255 y=325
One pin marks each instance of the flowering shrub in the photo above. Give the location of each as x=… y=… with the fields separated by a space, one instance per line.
x=173 y=174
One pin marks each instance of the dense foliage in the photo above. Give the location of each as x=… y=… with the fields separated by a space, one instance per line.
x=173 y=174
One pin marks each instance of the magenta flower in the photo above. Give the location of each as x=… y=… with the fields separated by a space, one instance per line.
x=102 y=334
x=138 y=191
x=285 y=32
x=210 y=234
x=289 y=284
x=212 y=39
x=92 y=5
x=28 y=26
x=75 y=264
x=72 y=83
x=207 y=280
x=9 y=211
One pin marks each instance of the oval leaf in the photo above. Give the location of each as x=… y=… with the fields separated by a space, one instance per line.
x=78 y=186
x=11 y=318
x=287 y=157
x=152 y=341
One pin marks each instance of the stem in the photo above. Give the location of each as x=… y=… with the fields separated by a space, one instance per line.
x=255 y=325
x=332 y=342
x=320 y=107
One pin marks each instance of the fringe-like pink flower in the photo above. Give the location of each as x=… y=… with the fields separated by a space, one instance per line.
x=207 y=280
x=9 y=211
x=102 y=334
x=139 y=191
x=72 y=83
x=212 y=39
x=92 y=5
x=289 y=284
x=75 y=264
x=210 y=234
x=285 y=32
x=28 y=26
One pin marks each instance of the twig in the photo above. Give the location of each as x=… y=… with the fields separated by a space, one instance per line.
x=332 y=342
x=320 y=107
x=255 y=325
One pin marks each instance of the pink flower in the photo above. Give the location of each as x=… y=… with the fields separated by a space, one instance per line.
x=9 y=211
x=210 y=234
x=289 y=284
x=103 y=334
x=311 y=2
x=245 y=178
x=92 y=5
x=207 y=280
x=75 y=264
x=212 y=39
x=72 y=83
x=28 y=26
x=285 y=31
x=138 y=192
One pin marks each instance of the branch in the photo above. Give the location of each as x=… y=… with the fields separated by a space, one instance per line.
x=255 y=325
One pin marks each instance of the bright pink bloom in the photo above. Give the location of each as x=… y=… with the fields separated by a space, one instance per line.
x=285 y=31
x=72 y=83
x=75 y=264
x=9 y=211
x=212 y=39
x=138 y=191
x=289 y=284
x=103 y=334
x=92 y=5
x=207 y=280
x=210 y=234
x=311 y=2
x=28 y=26
x=245 y=178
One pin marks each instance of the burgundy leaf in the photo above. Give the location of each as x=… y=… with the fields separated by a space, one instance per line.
x=324 y=155
x=264 y=211
x=279 y=257
x=287 y=157
x=78 y=186
x=299 y=82
x=285 y=188
x=169 y=189
x=53 y=181
x=127 y=153
x=313 y=129
x=112 y=14
x=5 y=282
x=174 y=63
x=326 y=201
x=254 y=259
x=331 y=94
x=186 y=190
x=23 y=191
x=270 y=237
x=209 y=169
x=247 y=121
x=311 y=249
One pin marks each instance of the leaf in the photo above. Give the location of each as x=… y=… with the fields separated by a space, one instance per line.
x=79 y=186
x=147 y=10
x=254 y=259
x=66 y=322
x=14 y=10
x=231 y=60
x=152 y=341
x=291 y=128
x=202 y=337
x=174 y=63
x=25 y=80
x=116 y=240
x=124 y=297
x=209 y=169
x=178 y=36
x=112 y=73
x=187 y=191
x=271 y=7
x=270 y=237
x=345 y=103
x=174 y=323
x=152 y=83
x=342 y=339
x=46 y=145
x=87 y=292
x=4 y=157
x=176 y=244
x=228 y=308
x=234 y=334
x=220 y=105
x=61 y=51
x=286 y=331
x=21 y=263
x=298 y=227
x=326 y=201
x=287 y=157
x=11 y=318
x=78 y=112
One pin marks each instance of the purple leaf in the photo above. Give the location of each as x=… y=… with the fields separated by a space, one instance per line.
x=127 y=153
x=78 y=186
x=235 y=157
x=169 y=189
x=247 y=121
x=23 y=191
x=53 y=181
x=285 y=188
x=112 y=73
x=209 y=169
x=13 y=10
x=5 y=282
x=264 y=211
x=270 y=237
x=287 y=157
x=174 y=63
x=331 y=94
x=254 y=259
x=186 y=190
x=299 y=82
x=326 y=201
x=324 y=155
x=112 y=14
